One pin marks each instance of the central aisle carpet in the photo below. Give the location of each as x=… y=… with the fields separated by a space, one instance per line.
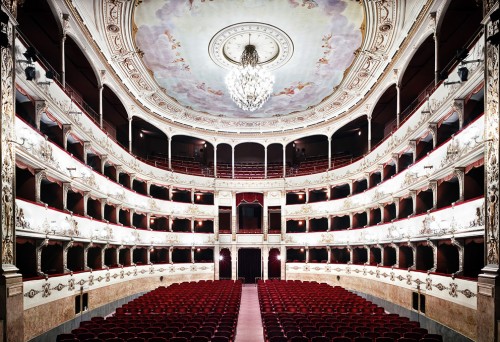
x=249 y=326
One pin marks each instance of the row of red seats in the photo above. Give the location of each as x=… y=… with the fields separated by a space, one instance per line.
x=309 y=311
x=160 y=315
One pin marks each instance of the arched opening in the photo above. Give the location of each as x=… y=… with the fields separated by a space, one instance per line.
x=201 y=197
x=181 y=225
x=51 y=193
x=296 y=254
x=359 y=255
x=149 y=142
x=25 y=109
x=125 y=180
x=405 y=207
x=159 y=255
x=110 y=172
x=274 y=215
x=94 y=208
x=424 y=146
x=389 y=256
x=140 y=186
x=418 y=78
x=318 y=224
x=405 y=257
x=224 y=161
x=384 y=115
x=340 y=191
x=447 y=127
x=124 y=217
x=274 y=264
x=249 y=212
x=159 y=192
x=204 y=226
x=181 y=195
x=458 y=26
x=340 y=255
x=204 y=255
x=27 y=263
x=94 y=257
x=225 y=264
x=139 y=220
x=110 y=257
x=37 y=23
x=82 y=79
x=75 y=147
x=318 y=255
x=75 y=202
x=359 y=220
x=52 y=258
x=25 y=184
x=389 y=170
x=375 y=179
x=309 y=155
x=275 y=161
x=94 y=160
x=295 y=226
x=111 y=213
x=375 y=256
x=115 y=118
x=159 y=223
x=448 y=192
x=405 y=159
x=424 y=201
x=75 y=258
x=249 y=160
x=181 y=255
x=473 y=256
x=318 y=195
x=295 y=197
x=124 y=257
x=341 y=222
x=425 y=257
x=192 y=155
x=375 y=216
x=225 y=220
x=140 y=256
x=359 y=185
x=447 y=258
x=474 y=181
x=474 y=107
x=389 y=212
x=350 y=141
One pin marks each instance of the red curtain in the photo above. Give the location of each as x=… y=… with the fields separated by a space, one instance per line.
x=249 y=197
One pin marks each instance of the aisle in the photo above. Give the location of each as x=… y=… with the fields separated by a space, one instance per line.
x=249 y=326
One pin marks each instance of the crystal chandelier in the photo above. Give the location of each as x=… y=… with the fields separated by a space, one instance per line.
x=249 y=85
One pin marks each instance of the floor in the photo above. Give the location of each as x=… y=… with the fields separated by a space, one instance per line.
x=249 y=326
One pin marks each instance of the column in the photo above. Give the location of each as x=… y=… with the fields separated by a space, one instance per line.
x=307 y=254
x=369 y=132
x=329 y=254
x=216 y=261
x=192 y=195
x=170 y=153
x=232 y=161
x=130 y=134
x=307 y=224
x=170 y=250
x=192 y=255
x=284 y=161
x=265 y=263
x=436 y=50
x=398 y=103
x=329 y=153
x=488 y=297
x=66 y=245
x=11 y=285
x=234 y=262
x=283 y=262
x=101 y=87
x=63 y=59
x=265 y=161
x=215 y=161
x=329 y=228
x=265 y=217
x=233 y=215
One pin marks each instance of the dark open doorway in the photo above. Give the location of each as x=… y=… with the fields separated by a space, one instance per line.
x=249 y=264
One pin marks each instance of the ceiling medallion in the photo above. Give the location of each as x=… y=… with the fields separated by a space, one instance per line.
x=250 y=50
x=274 y=46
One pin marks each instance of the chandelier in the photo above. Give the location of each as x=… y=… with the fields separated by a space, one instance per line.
x=249 y=85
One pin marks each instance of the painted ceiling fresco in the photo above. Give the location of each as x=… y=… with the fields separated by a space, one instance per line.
x=175 y=35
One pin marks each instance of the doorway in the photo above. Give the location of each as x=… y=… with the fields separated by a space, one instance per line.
x=249 y=264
